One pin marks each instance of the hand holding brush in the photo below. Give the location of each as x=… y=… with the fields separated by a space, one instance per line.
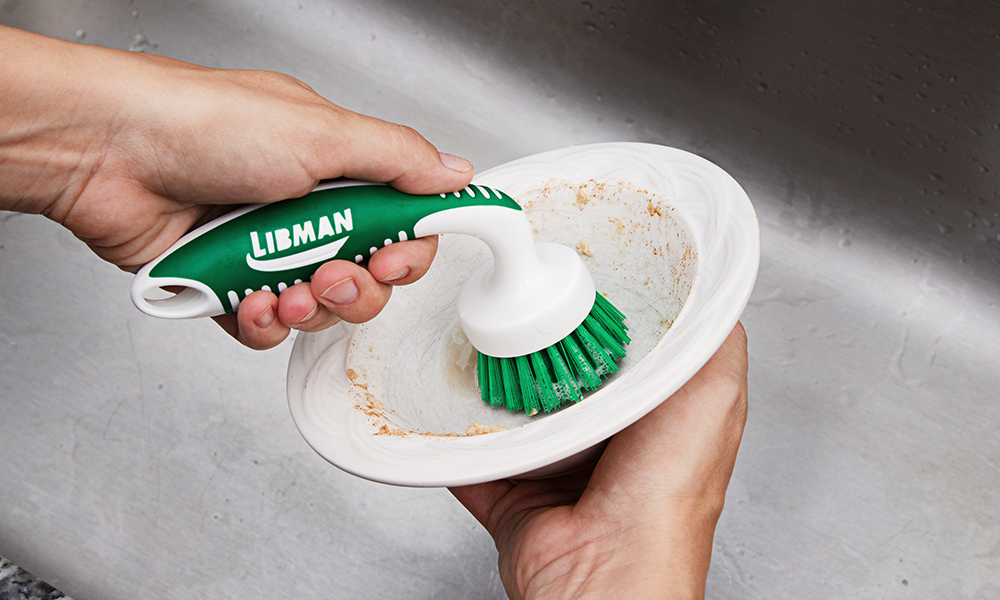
x=130 y=150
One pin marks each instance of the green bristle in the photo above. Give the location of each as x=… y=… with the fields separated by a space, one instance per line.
x=610 y=319
x=483 y=372
x=600 y=358
x=603 y=338
x=563 y=382
x=544 y=380
x=527 y=380
x=585 y=373
x=496 y=394
x=511 y=385
x=606 y=307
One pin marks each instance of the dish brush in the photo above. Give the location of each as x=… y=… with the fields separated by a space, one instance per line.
x=543 y=332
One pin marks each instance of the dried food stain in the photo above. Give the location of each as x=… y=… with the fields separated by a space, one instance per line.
x=378 y=415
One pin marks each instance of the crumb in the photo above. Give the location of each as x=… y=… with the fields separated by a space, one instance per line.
x=371 y=406
x=478 y=428
x=582 y=247
x=654 y=210
x=386 y=430
x=352 y=374
x=581 y=198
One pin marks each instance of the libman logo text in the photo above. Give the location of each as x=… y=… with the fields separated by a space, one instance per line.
x=276 y=241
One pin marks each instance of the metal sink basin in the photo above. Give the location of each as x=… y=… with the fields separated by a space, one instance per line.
x=152 y=459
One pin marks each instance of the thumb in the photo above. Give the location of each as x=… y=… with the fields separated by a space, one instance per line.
x=370 y=149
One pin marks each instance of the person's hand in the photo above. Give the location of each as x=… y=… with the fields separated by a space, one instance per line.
x=640 y=523
x=129 y=151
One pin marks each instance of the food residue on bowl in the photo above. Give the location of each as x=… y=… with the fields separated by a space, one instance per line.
x=478 y=428
x=379 y=416
x=475 y=429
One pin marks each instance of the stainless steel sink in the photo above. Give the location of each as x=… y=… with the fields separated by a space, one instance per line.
x=153 y=459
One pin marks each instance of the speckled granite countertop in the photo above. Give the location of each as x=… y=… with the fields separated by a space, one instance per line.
x=18 y=584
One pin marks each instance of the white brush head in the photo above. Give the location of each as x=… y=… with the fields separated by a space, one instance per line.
x=505 y=313
x=528 y=297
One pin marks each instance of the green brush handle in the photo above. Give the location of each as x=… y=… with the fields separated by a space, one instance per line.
x=273 y=246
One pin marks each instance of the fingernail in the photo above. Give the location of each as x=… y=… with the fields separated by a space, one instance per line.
x=455 y=163
x=344 y=291
x=265 y=318
x=397 y=275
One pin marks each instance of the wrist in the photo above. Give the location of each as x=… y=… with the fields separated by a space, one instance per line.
x=667 y=552
x=664 y=555
x=628 y=572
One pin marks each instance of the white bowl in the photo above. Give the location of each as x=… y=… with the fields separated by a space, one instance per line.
x=669 y=237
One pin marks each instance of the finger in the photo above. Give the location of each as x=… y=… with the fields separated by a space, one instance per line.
x=258 y=324
x=338 y=291
x=298 y=309
x=405 y=262
x=349 y=291
x=370 y=149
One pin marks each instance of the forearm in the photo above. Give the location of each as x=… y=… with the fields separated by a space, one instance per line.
x=55 y=118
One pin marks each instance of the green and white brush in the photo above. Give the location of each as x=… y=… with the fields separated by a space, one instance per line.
x=542 y=331
x=545 y=379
